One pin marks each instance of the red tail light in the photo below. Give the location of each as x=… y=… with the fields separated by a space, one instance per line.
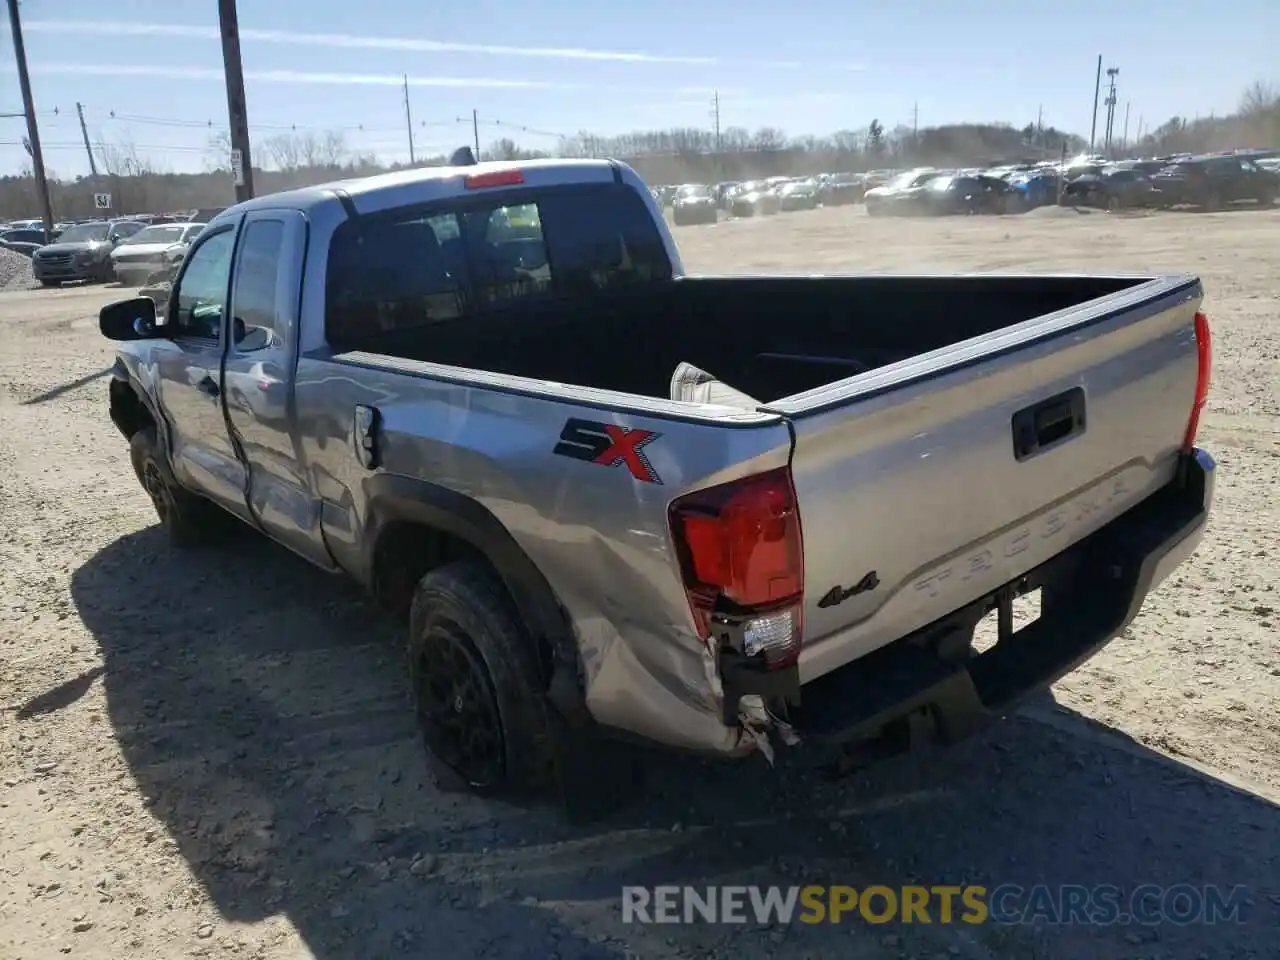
x=1204 y=354
x=498 y=178
x=742 y=558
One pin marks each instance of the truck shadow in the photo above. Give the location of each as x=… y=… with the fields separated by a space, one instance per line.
x=262 y=709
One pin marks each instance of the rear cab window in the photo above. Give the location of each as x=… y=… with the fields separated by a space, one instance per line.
x=415 y=267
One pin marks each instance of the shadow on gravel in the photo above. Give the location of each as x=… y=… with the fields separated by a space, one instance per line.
x=62 y=388
x=262 y=709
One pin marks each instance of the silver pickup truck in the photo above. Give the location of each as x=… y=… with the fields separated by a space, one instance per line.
x=720 y=513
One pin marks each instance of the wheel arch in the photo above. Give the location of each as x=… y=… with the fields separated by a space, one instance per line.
x=414 y=525
x=130 y=407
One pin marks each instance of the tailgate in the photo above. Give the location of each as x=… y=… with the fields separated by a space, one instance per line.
x=927 y=484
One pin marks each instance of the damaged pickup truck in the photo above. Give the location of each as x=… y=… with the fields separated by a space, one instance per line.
x=720 y=513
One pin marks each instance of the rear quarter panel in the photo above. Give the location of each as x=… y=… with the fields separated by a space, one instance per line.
x=597 y=533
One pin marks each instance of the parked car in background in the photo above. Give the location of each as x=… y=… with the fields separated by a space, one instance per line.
x=754 y=199
x=1211 y=182
x=1112 y=189
x=152 y=249
x=801 y=195
x=694 y=203
x=841 y=189
x=896 y=194
x=960 y=194
x=82 y=253
x=26 y=241
x=723 y=192
x=1031 y=189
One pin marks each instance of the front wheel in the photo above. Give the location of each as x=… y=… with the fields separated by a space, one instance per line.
x=187 y=519
x=477 y=685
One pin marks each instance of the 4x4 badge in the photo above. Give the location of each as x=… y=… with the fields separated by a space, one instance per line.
x=838 y=594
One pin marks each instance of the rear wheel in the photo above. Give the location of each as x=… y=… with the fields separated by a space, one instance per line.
x=50 y=283
x=477 y=685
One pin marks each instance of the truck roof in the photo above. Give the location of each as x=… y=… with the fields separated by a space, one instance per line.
x=400 y=187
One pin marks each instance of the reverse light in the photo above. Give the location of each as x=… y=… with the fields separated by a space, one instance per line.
x=496 y=178
x=1204 y=357
x=741 y=557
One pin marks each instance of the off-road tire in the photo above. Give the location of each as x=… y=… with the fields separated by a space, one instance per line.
x=188 y=520
x=464 y=606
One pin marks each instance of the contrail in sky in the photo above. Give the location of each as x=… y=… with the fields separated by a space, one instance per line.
x=342 y=79
x=113 y=28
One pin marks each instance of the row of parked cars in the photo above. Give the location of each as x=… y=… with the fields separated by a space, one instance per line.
x=702 y=203
x=1208 y=181
x=131 y=250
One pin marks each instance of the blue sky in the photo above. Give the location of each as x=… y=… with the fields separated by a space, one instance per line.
x=808 y=66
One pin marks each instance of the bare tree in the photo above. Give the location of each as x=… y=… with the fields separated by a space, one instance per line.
x=1259 y=98
x=283 y=151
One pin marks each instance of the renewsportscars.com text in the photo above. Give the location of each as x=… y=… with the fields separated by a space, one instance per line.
x=1104 y=904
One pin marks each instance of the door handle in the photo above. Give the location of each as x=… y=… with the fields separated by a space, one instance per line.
x=1048 y=423
x=208 y=386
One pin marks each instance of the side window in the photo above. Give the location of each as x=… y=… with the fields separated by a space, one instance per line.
x=390 y=274
x=507 y=253
x=1248 y=166
x=122 y=230
x=202 y=291
x=603 y=238
x=256 y=285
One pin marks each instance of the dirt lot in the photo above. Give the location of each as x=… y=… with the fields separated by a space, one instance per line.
x=211 y=755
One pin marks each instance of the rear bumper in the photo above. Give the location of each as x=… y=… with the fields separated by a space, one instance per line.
x=927 y=682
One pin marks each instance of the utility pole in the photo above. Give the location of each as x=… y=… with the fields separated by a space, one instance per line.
x=84 y=131
x=408 y=118
x=29 y=107
x=1112 y=72
x=1097 y=89
x=915 y=120
x=715 y=112
x=1124 y=141
x=238 y=114
x=475 y=131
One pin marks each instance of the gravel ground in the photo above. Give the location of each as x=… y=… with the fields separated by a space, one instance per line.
x=210 y=754
x=15 y=271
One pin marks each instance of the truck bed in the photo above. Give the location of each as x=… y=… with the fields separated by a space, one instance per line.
x=768 y=337
x=918 y=476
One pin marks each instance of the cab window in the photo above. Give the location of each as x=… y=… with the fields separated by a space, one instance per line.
x=257 y=284
x=202 y=290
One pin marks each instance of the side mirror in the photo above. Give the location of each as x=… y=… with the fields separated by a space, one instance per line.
x=133 y=319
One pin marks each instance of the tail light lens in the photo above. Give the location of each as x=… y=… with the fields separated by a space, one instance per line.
x=496 y=178
x=742 y=559
x=1204 y=355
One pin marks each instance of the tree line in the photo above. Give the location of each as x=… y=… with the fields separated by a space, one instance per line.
x=677 y=155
